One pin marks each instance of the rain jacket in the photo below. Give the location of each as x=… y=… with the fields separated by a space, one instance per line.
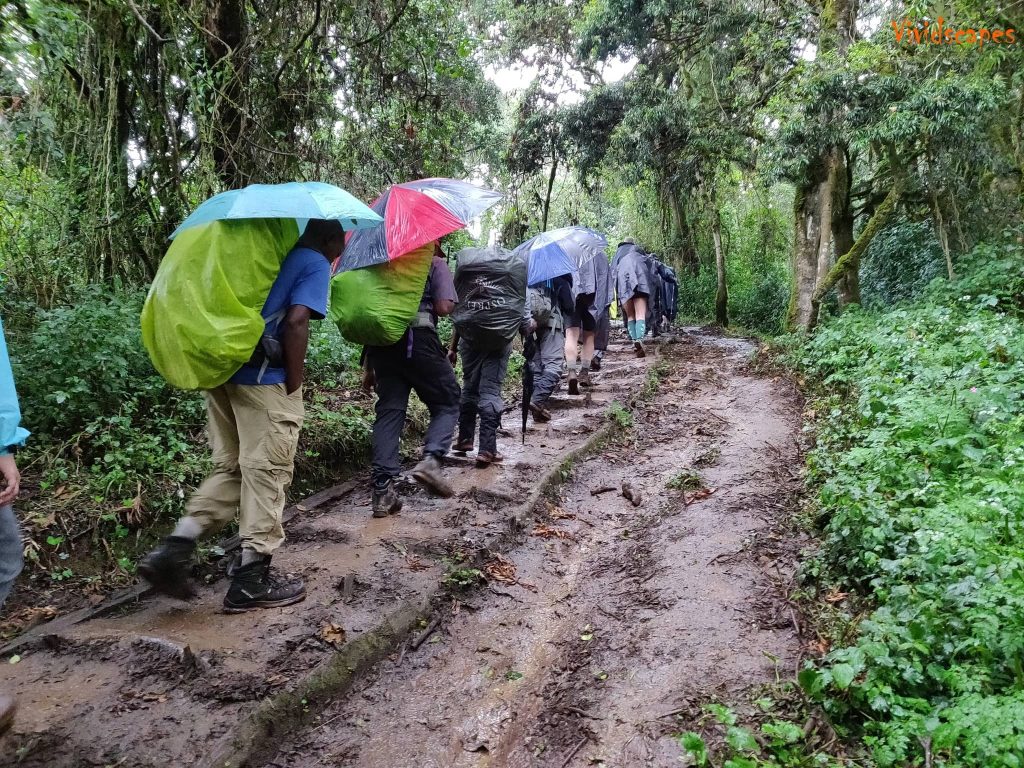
x=631 y=273
x=595 y=277
x=11 y=431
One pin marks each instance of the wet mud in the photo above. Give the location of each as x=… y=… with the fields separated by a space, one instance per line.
x=166 y=683
x=653 y=582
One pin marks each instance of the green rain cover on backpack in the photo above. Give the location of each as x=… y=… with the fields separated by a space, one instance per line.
x=374 y=306
x=201 y=320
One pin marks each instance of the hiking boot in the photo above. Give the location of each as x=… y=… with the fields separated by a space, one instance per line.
x=595 y=364
x=574 y=383
x=540 y=413
x=638 y=348
x=167 y=567
x=428 y=473
x=463 y=446
x=385 y=500
x=253 y=586
x=584 y=377
x=486 y=458
x=8 y=708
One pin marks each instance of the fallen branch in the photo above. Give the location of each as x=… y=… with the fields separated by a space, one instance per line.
x=421 y=638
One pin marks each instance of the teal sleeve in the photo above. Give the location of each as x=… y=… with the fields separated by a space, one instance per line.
x=11 y=431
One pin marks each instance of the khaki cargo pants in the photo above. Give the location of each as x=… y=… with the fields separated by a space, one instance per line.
x=253 y=433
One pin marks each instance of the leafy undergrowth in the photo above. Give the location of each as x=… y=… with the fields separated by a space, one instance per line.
x=919 y=466
x=115 y=451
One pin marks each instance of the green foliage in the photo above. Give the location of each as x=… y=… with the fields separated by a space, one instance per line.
x=770 y=741
x=920 y=469
x=900 y=262
x=619 y=415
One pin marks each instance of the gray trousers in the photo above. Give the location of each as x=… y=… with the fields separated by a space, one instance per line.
x=483 y=373
x=547 y=363
x=418 y=364
x=11 y=551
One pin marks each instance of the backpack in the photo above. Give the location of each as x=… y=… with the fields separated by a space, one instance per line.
x=541 y=306
x=201 y=320
x=374 y=306
x=491 y=284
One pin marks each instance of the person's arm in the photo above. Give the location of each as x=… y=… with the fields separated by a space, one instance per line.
x=295 y=339
x=442 y=288
x=444 y=307
x=453 y=348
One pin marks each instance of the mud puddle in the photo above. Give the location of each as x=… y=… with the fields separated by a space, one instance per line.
x=596 y=641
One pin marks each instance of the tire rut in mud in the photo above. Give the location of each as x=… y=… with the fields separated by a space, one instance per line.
x=603 y=633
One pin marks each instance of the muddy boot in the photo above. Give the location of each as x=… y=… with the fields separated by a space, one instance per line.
x=8 y=708
x=486 y=458
x=385 y=500
x=595 y=364
x=463 y=446
x=638 y=348
x=574 y=385
x=167 y=567
x=253 y=586
x=428 y=473
x=540 y=413
x=585 y=377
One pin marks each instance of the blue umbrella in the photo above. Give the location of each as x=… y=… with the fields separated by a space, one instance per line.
x=301 y=200
x=560 y=252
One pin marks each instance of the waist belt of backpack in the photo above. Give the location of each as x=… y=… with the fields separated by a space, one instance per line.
x=423 y=319
x=276 y=317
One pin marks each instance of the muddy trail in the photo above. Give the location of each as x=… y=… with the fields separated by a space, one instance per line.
x=600 y=636
x=537 y=618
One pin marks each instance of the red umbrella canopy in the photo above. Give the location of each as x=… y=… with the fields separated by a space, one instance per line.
x=415 y=213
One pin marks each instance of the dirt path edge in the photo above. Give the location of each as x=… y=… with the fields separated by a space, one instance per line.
x=267 y=727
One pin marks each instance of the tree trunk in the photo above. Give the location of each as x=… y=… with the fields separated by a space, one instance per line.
x=878 y=220
x=940 y=229
x=842 y=233
x=806 y=238
x=226 y=37
x=688 y=260
x=547 y=197
x=722 y=293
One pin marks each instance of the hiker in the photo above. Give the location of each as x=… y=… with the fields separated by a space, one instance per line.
x=418 y=361
x=253 y=422
x=632 y=285
x=11 y=549
x=593 y=296
x=655 y=307
x=601 y=338
x=491 y=284
x=548 y=305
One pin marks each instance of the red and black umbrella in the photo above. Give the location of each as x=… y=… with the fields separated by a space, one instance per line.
x=415 y=214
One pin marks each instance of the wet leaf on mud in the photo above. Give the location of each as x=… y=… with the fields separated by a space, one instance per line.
x=415 y=564
x=695 y=746
x=741 y=740
x=513 y=675
x=501 y=569
x=601 y=675
x=548 y=532
x=835 y=596
x=333 y=634
x=14 y=659
x=587 y=637
x=697 y=495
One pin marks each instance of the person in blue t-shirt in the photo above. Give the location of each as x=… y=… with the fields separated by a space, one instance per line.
x=253 y=422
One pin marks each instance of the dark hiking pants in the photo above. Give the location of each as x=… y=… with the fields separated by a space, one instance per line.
x=399 y=369
x=483 y=373
x=547 y=363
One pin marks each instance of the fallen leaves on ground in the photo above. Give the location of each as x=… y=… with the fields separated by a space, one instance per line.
x=333 y=634
x=415 y=564
x=548 y=532
x=700 y=493
x=501 y=569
